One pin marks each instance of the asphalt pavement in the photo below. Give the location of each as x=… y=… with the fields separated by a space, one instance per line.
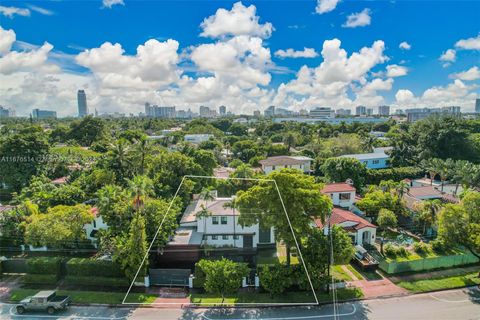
x=460 y=304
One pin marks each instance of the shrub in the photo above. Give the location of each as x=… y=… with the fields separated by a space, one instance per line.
x=199 y=277
x=99 y=268
x=275 y=279
x=421 y=247
x=390 y=250
x=439 y=246
x=44 y=265
x=96 y=281
x=40 y=279
x=402 y=251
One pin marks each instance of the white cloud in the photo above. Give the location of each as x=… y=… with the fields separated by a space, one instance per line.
x=153 y=66
x=469 y=75
x=359 y=19
x=394 y=70
x=12 y=11
x=111 y=3
x=454 y=94
x=240 y=20
x=324 y=6
x=7 y=38
x=291 y=53
x=448 y=56
x=405 y=45
x=469 y=44
x=41 y=10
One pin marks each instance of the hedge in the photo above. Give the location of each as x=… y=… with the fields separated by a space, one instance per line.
x=96 y=281
x=98 y=268
x=199 y=277
x=375 y=176
x=45 y=265
x=40 y=279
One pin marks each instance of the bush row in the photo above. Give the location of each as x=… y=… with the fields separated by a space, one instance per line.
x=375 y=176
x=89 y=267
x=96 y=281
x=40 y=279
x=45 y=265
x=393 y=251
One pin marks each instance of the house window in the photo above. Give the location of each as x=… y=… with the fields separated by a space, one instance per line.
x=344 y=196
x=375 y=161
x=236 y=237
x=214 y=220
x=225 y=237
x=223 y=220
x=214 y=237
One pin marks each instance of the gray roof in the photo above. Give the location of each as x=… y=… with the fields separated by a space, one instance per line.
x=214 y=206
x=284 y=160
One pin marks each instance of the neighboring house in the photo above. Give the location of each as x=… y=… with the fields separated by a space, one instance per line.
x=342 y=194
x=375 y=160
x=360 y=230
x=223 y=172
x=418 y=194
x=97 y=224
x=281 y=162
x=197 y=138
x=221 y=227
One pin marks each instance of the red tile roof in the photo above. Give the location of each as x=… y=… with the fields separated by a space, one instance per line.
x=340 y=216
x=94 y=211
x=338 y=187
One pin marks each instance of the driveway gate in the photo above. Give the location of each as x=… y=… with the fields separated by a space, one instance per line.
x=169 y=277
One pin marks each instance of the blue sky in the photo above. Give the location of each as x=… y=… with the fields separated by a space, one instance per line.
x=429 y=27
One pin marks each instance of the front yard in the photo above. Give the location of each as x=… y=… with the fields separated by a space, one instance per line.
x=464 y=279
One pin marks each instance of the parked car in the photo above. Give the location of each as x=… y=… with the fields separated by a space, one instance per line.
x=44 y=300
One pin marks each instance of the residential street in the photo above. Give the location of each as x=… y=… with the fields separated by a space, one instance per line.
x=447 y=305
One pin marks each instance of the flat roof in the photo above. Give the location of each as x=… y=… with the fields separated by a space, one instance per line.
x=366 y=156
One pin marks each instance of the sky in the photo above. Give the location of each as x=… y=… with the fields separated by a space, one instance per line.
x=244 y=55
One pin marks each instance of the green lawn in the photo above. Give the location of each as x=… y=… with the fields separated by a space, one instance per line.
x=287 y=297
x=89 y=296
x=339 y=274
x=355 y=272
x=450 y=282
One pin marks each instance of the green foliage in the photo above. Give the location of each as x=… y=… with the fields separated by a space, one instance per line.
x=393 y=251
x=421 y=248
x=50 y=279
x=223 y=276
x=375 y=176
x=386 y=219
x=44 y=265
x=96 y=281
x=302 y=199
x=60 y=227
x=275 y=279
x=87 y=130
x=83 y=267
x=376 y=199
x=439 y=246
x=22 y=156
x=341 y=169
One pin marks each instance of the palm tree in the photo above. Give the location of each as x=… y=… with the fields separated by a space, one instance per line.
x=446 y=167
x=432 y=166
x=290 y=140
x=458 y=175
x=142 y=148
x=368 y=142
x=427 y=212
x=233 y=205
x=205 y=195
x=401 y=188
x=120 y=158
x=140 y=187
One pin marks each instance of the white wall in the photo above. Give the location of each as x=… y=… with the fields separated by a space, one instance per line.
x=305 y=167
x=99 y=224
x=343 y=203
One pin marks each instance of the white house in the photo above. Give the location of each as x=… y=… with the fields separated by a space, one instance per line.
x=360 y=230
x=375 y=160
x=281 y=162
x=221 y=228
x=197 y=138
x=342 y=194
x=97 y=224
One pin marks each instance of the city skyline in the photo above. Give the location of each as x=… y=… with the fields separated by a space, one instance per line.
x=339 y=58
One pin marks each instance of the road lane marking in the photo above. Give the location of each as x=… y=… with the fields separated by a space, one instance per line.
x=293 y=318
x=14 y=314
x=457 y=301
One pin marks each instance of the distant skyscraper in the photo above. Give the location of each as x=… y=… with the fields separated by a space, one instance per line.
x=322 y=112
x=222 y=110
x=82 y=103
x=384 y=110
x=270 y=111
x=43 y=114
x=369 y=111
x=361 y=110
x=477 y=106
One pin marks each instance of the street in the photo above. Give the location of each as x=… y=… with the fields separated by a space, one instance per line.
x=460 y=304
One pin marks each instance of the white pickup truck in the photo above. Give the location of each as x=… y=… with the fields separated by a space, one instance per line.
x=44 y=300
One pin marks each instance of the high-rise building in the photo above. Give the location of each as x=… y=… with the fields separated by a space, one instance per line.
x=322 y=112
x=422 y=113
x=361 y=110
x=477 y=105
x=369 y=111
x=43 y=114
x=256 y=113
x=269 y=112
x=6 y=112
x=222 y=110
x=344 y=112
x=384 y=110
x=82 y=103
x=155 y=111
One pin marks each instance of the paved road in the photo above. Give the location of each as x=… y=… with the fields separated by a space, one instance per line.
x=463 y=304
